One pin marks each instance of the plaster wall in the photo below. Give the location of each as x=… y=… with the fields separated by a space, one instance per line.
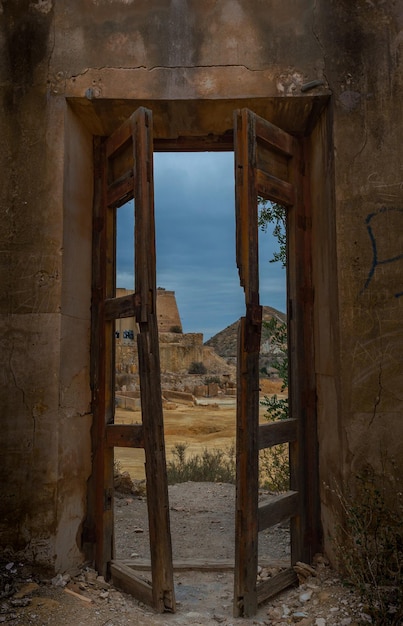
x=69 y=70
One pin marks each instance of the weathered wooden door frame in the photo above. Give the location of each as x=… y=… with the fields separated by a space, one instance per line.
x=124 y=170
x=269 y=163
x=279 y=177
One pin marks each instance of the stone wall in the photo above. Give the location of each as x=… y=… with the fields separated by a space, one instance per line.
x=331 y=71
x=167 y=312
x=177 y=352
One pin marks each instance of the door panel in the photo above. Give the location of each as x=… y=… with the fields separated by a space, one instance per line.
x=124 y=170
x=268 y=165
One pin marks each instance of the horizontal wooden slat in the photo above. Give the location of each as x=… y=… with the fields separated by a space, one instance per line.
x=277 y=509
x=125 y=579
x=272 y=188
x=200 y=143
x=274 y=136
x=200 y=564
x=272 y=162
x=120 y=191
x=119 y=138
x=124 y=436
x=271 y=587
x=196 y=565
x=274 y=433
x=125 y=306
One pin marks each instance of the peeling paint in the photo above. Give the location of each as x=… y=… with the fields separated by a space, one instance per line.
x=289 y=83
x=42 y=6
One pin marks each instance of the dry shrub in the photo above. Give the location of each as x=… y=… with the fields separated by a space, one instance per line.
x=216 y=466
x=370 y=543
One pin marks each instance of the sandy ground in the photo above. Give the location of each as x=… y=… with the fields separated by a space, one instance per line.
x=211 y=424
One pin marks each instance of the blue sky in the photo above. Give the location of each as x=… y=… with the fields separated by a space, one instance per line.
x=195 y=237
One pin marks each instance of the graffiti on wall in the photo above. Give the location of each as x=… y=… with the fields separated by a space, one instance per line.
x=387 y=221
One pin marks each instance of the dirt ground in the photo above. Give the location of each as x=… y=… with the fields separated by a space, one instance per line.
x=202 y=528
x=202 y=524
x=210 y=424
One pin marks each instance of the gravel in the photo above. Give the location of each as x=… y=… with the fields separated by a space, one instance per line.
x=202 y=527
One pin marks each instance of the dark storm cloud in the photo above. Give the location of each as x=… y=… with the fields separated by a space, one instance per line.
x=195 y=236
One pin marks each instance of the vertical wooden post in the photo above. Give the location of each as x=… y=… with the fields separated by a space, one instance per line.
x=247 y=482
x=306 y=538
x=149 y=368
x=246 y=521
x=102 y=456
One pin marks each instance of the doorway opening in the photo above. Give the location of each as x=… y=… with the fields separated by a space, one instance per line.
x=195 y=252
x=267 y=164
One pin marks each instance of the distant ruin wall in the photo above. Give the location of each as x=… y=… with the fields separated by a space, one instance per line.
x=167 y=312
x=177 y=353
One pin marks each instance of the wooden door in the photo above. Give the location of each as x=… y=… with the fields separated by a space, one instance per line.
x=124 y=170
x=269 y=164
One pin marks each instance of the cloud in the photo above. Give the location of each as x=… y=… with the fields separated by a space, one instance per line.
x=195 y=238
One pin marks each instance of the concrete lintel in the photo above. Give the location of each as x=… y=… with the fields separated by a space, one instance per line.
x=175 y=118
x=202 y=82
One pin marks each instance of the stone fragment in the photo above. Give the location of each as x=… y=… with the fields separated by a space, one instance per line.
x=20 y=602
x=324 y=595
x=305 y=596
x=91 y=576
x=274 y=613
x=101 y=583
x=298 y=616
x=60 y=580
x=286 y=611
x=320 y=621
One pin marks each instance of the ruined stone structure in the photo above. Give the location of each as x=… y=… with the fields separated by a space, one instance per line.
x=330 y=72
x=167 y=311
x=168 y=315
x=177 y=350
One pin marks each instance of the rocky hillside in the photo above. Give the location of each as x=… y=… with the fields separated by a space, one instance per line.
x=225 y=342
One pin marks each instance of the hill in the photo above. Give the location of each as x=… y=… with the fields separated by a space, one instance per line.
x=225 y=342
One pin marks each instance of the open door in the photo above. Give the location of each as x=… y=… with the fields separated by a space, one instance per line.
x=269 y=165
x=124 y=170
